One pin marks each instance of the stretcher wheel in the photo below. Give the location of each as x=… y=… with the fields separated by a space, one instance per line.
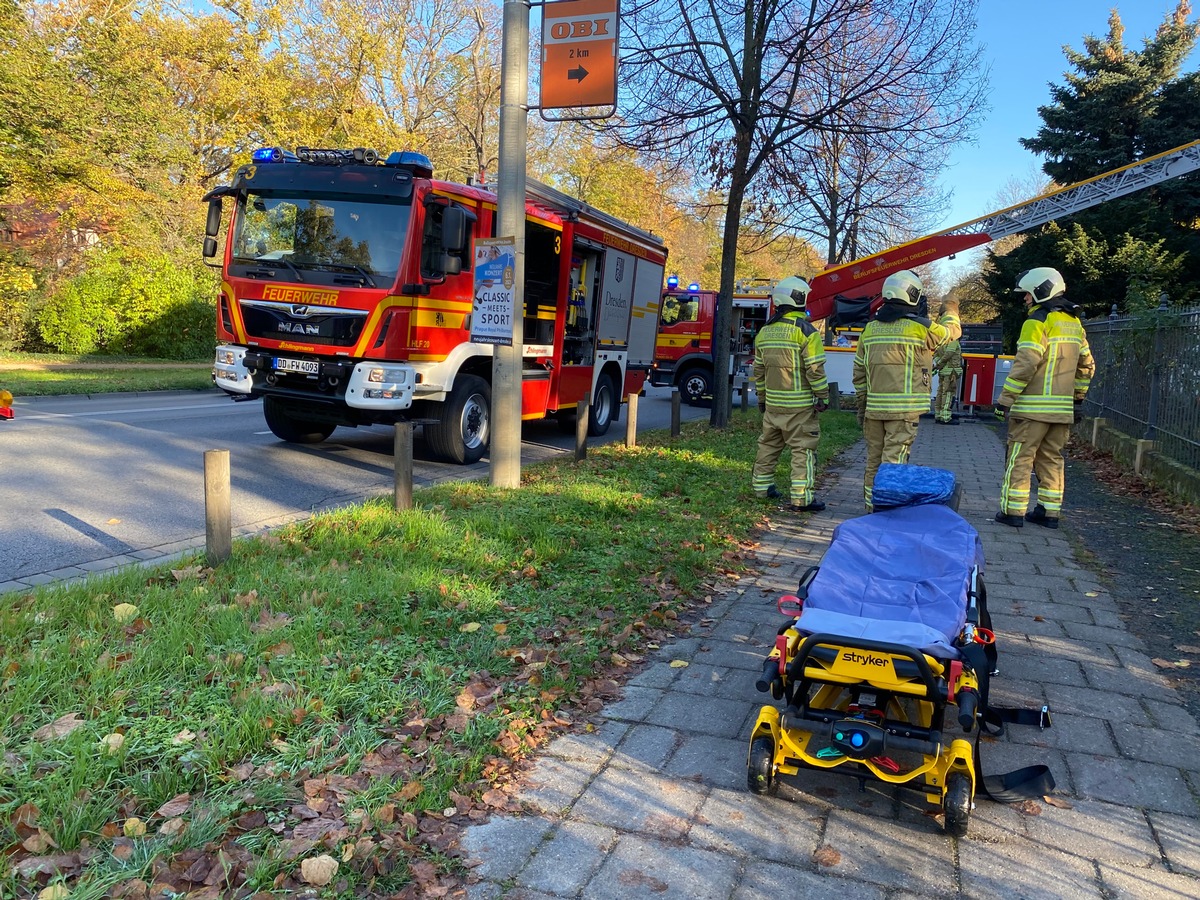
x=957 y=804
x=760 y=772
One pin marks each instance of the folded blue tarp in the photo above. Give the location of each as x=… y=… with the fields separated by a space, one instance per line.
x=899 y=484
x=899 y=576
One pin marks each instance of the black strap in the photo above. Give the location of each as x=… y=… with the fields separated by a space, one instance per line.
x=1029 y=783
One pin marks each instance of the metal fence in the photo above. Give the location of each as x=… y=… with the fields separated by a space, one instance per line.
x=1147 y=380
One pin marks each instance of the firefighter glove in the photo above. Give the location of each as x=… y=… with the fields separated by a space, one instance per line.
x=1000 y=412
x=762 y=405
x=822 y=405
x=1078 y=411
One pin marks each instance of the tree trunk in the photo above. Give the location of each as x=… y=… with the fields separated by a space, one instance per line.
x=722 y=336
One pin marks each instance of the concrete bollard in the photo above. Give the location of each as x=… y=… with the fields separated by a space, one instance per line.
x=402 y=461
x=218 y=520
x=835 y=398
x=581 y=428
x=675 y=412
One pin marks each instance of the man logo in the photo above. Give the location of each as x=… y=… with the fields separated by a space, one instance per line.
x=620 y=271
x=300 y=312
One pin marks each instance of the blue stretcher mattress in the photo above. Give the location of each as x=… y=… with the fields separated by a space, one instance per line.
x=900 y=576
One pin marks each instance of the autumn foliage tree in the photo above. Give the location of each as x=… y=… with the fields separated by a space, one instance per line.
x=729 y=86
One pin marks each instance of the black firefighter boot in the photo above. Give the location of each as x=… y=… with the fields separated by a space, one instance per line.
x=1038 y=517
x=1004 y=519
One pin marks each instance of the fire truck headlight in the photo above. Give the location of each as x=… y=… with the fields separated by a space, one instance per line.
x=225 y=357
x=387 y=376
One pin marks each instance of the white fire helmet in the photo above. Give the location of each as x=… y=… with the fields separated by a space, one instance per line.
x=791 y=291
x=903 y=287
x=1043 y=283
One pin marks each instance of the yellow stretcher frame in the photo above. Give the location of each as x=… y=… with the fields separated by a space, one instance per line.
x=893 y=669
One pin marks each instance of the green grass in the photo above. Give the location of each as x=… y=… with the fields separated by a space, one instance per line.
x=41 y=375
x=368 y=669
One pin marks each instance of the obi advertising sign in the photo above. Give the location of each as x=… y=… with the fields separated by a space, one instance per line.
x=579 y=53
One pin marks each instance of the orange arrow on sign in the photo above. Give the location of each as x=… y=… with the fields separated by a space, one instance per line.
x=579 y=53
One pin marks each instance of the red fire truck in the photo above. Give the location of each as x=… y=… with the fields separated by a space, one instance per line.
x=347 y=289
x=683 y=352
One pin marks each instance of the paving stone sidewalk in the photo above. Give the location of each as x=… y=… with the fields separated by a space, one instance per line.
x=654 y=804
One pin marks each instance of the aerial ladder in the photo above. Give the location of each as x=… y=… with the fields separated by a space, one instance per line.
x=864 y=278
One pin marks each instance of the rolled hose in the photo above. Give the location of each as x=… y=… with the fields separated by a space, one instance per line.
x=968 y=704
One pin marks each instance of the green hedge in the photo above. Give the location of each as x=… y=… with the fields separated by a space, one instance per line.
x=136 y=305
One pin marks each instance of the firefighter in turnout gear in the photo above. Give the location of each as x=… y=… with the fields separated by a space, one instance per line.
x=1040 y=398
x=893 y=368
x=948 y=367
x=789 y=377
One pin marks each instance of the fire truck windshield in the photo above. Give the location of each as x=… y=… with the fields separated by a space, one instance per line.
x=332 y=237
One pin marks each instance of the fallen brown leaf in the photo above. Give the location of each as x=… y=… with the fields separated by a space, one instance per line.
x=59 y=728
x=318 y=870
x=1058 y=801
x=827 y=856
x=176 y=806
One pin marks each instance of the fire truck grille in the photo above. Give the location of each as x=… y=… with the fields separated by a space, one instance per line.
x=313 y=325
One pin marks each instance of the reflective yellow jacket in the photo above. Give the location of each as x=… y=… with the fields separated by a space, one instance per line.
x=893 y=367
x=948 y=357
x=789 y=363
x=1052 y=369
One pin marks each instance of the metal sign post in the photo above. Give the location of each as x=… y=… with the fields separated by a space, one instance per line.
x=510 y=209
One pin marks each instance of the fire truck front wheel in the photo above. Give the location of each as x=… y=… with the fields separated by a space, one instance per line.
x=462 y=434
x=695 y=384
x=286 y=425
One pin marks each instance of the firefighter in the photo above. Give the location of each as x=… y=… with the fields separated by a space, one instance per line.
x=948 y=367
x=1040 y=398
x=789 y=377
x=893 y=368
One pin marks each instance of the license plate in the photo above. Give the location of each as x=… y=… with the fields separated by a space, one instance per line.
x=303 y=366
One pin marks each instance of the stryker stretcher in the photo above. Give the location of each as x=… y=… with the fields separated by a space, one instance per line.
x=887 y=632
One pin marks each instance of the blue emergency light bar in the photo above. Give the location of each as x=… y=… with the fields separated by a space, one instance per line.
x=672 y=282
x=418 y=163
x=274 y=154
x=694 y=286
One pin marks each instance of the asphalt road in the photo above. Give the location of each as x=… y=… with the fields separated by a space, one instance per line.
x=89 y=478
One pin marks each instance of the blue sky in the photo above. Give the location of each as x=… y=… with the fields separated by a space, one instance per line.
x=1023 y=45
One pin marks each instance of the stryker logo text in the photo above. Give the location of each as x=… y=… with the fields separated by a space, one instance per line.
x=863 y=659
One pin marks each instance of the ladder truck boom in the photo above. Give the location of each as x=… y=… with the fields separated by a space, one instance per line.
x=864 y=278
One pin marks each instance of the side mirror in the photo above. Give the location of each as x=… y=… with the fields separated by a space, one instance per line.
x=454 y=231
x=212 y=227
x=451 y=265
x=210 y=247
